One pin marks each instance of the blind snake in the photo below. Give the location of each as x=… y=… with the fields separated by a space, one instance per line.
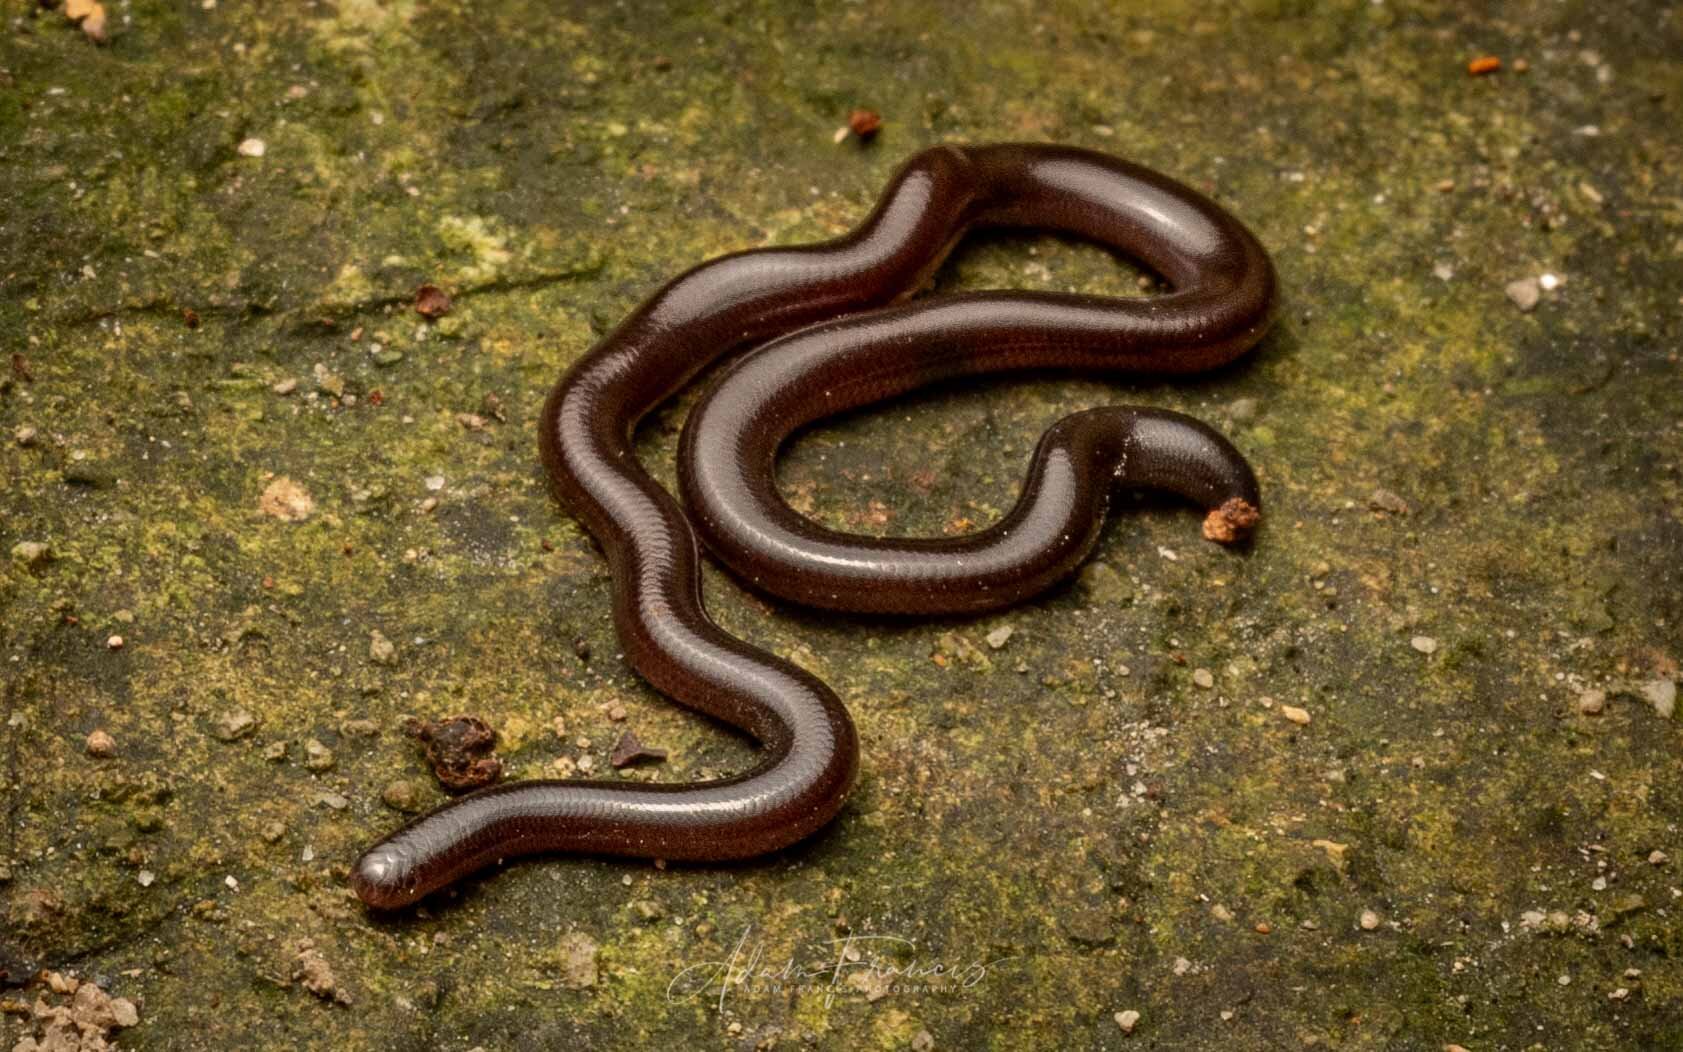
x=834 y=330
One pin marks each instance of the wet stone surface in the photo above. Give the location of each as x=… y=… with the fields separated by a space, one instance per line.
x=264 y=498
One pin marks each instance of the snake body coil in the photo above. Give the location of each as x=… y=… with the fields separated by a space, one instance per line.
x=836 y=338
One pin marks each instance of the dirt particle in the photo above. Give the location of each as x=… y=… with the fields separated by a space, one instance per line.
x=1243 y=410
x=328 y=381
x=381 y=650
x=311 y=970
x=1525 y=293
x=287 y=501
x=864 y=122
x=1662 y=695
x=1386 y=501
x=32 y=553
x=82 y=1025
x=630 y=750
x=578 y=960
x=459 y=749
x=1231 y=522
x=402 y=795
x=234 y=724
x=318 y=757
x=431 y=302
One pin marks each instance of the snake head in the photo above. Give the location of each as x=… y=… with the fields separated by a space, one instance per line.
x=384 y=877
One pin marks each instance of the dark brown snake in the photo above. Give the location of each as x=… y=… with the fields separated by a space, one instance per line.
x=834 y=338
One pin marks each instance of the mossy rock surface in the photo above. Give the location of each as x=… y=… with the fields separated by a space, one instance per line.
x=228 y=440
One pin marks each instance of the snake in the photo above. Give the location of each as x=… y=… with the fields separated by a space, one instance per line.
x=829 y=327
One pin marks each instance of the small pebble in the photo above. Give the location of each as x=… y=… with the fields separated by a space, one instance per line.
x=236 y=723
x=114 y=642
x=401 y=795
x=1369 y=920
x=252 y=148
x=1386 y=501
x=1295 y=714
x=1591 y=702
x=318 y=757
x=381 y=650
x=1203 y=677
x=1000 y=636
x=101 y=745
x=1662 y=695
x=31 y=553
x=1424 y=644
x=1657 y=858
x=1127 y=1020
x=24 y=436
x=1525 y=293
x=285 y=387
